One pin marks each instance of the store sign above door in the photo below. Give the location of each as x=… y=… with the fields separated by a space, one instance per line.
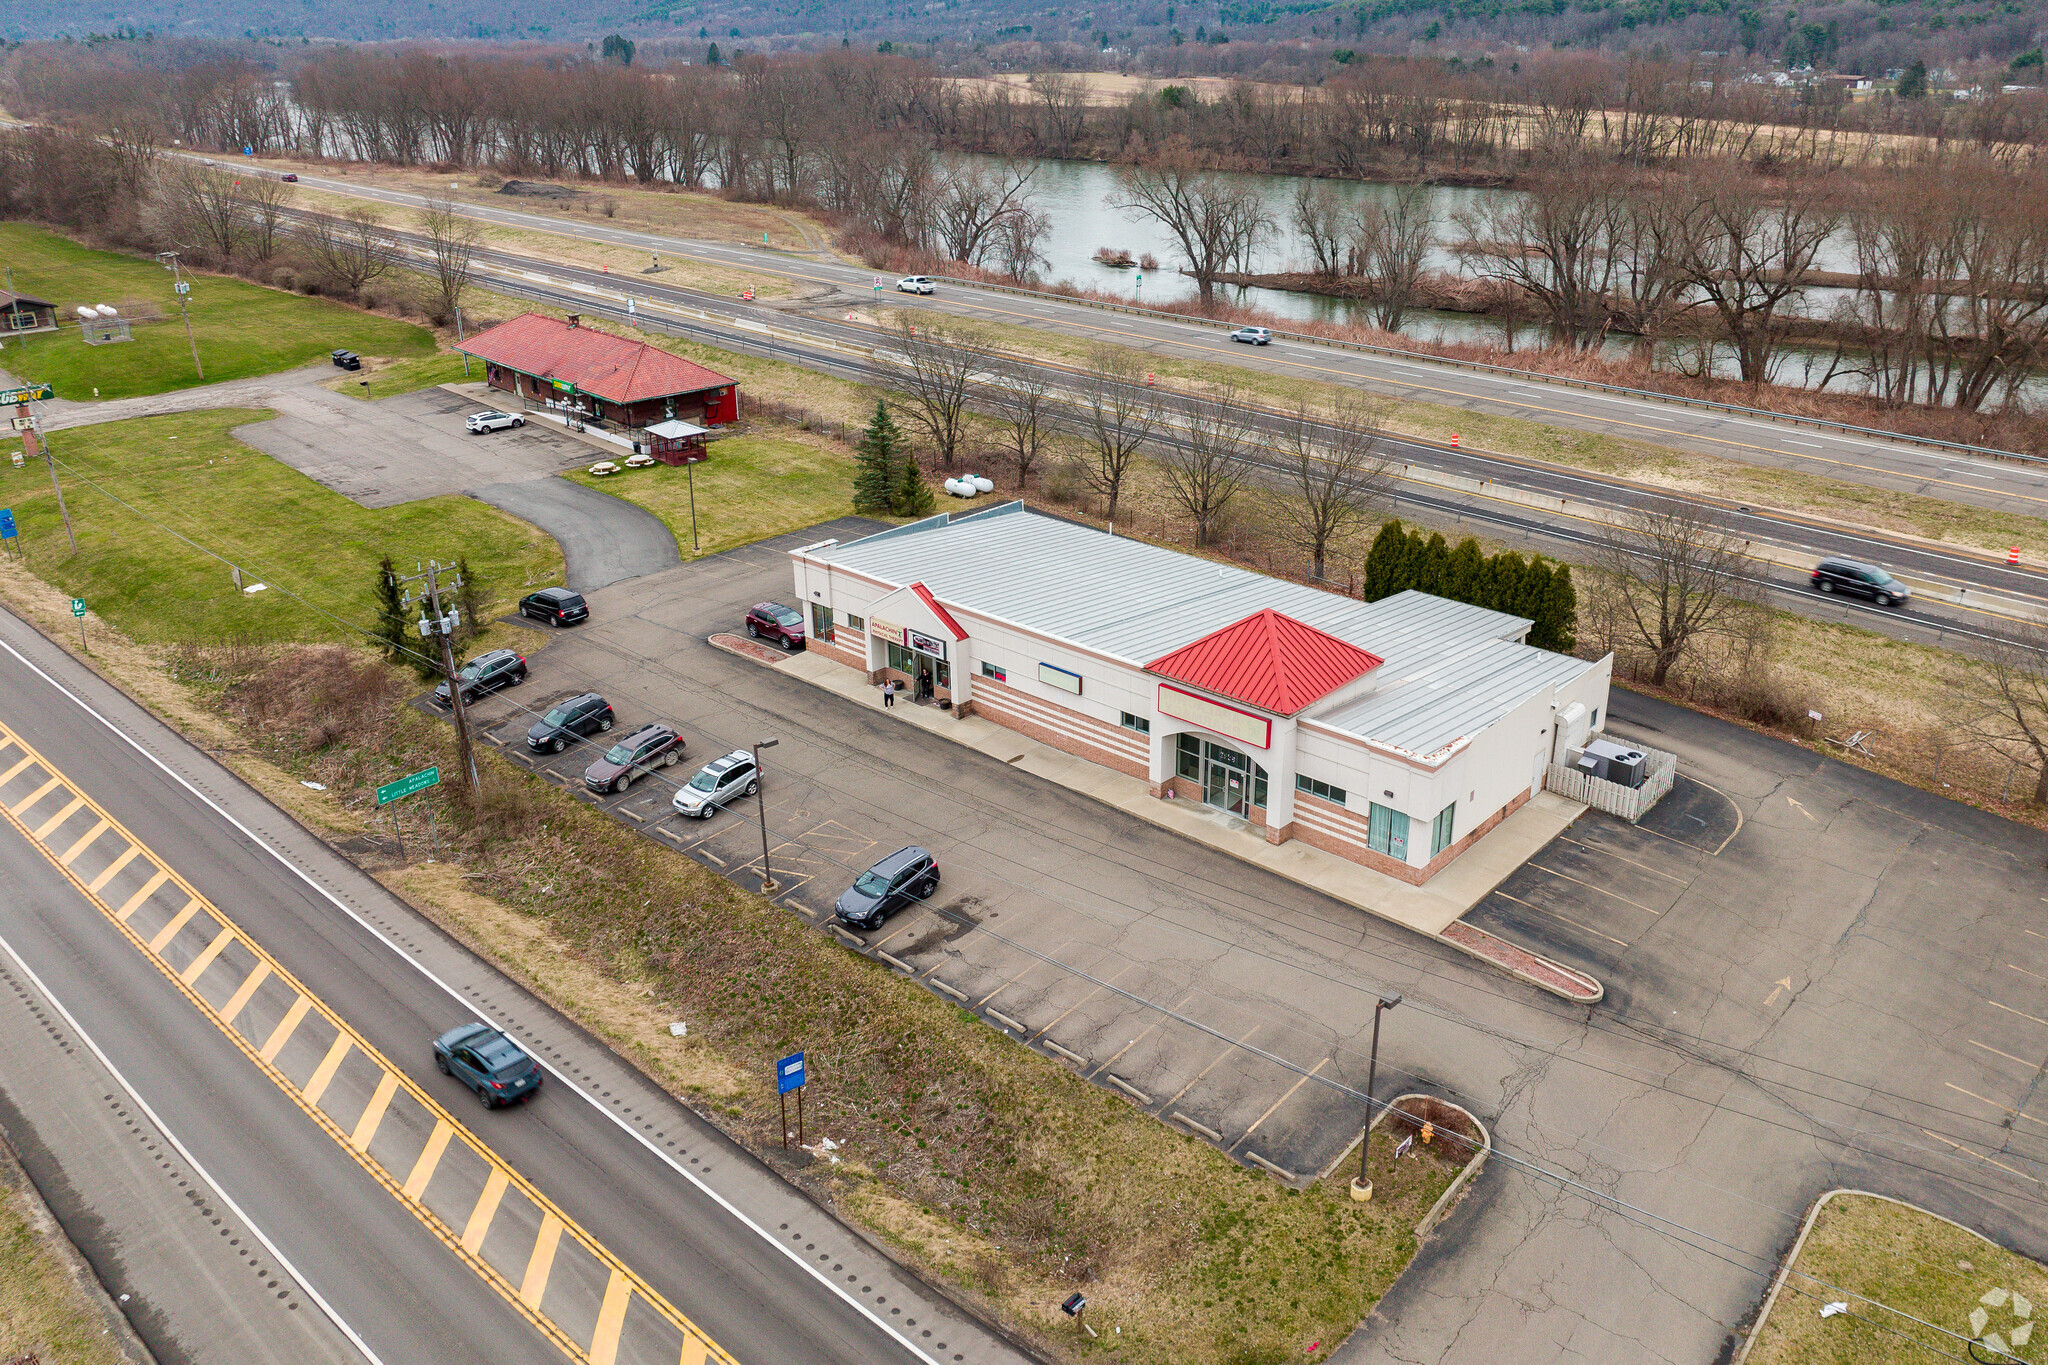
x=1242 y=726
x=925 y=644
x=888 y=632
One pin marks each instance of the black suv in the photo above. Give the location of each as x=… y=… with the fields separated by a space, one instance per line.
x=347 y=360
x=485 y=673
x=647 y=748
x=906 y=875
x=1860 y=580
x=556 y=606
x=570 y=720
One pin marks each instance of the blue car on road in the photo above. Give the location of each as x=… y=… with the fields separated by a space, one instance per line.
x=489 y=1063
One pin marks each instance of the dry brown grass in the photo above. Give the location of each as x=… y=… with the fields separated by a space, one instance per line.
x=46 y=1303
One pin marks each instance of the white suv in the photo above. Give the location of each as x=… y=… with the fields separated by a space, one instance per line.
x=718 y=782
x=481 y=422
x=915 y=284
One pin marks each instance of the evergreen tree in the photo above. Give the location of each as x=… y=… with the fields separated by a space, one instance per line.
x=913 y=495
x=1535 y=592
x=470 y=601
x=1558 y=624
x=395 y=634
x=1430 y=565
x=1500 y=582
x=876 y=456
x=1463 y=572
x=1382 y=562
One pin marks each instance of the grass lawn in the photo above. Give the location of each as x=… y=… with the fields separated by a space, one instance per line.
x=43 y=1310
x=1919 y=1265
x=242 y=328
x=404 y=376
x=186 y=472
x=751 y=487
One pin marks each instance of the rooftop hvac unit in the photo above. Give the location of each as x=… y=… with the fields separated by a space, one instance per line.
x=1618 y=763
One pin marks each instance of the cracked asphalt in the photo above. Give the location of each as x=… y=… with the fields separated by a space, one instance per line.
x=1816 y=977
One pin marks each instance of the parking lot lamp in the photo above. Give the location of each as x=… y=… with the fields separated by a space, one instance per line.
x=1372 y=1069
x=761 y=808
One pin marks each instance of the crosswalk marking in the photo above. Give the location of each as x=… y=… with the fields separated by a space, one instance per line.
x=282 y=1034
x=85 y=842
x=373 y=1112
x=196 y=968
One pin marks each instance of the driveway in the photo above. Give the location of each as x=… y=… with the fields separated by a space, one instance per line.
x=604 y=540
x=1815 y=977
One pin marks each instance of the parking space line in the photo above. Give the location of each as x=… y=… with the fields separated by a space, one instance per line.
x=1083 y=1000
x=2006 y=1108
x=1543 y=910
x=1299 y=1082
x=1217 y=1061
x=1610 y=853
x=1147 y=1032
x=2018 y=968
x=1601 y=889
x=2007 y=1055
x=2021 y=1013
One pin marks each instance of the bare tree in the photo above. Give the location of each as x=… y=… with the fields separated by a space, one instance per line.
x=2004 y=700
x=1019 y=396
x=1020 y=242
x=1758 y=242
x=1214 y=455
x=452 y=243
x=972 y=202
x=1217 y=221
x=1389 y=242
x=348 y=250
x=263 y=200
x=1676 y=575
x=1319 y=222
x=936 y=368
x=1120 y=416
x=1334 y=477
x=201 y=207
x=1064 y=98
x=1553 y=243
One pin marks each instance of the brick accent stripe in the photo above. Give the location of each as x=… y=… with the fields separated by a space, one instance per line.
x=1083 y=736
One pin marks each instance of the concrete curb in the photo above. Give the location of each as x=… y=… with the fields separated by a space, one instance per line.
x=1441 y=1207
x=1798 y=1244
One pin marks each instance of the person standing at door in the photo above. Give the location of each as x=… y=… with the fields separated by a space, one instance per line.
x=924 y=685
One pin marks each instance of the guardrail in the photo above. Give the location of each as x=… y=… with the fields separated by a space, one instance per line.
x=1532 y=376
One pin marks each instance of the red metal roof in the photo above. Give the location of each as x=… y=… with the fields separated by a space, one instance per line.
x=595 y=362
x=924 y=595
x=1267 y=660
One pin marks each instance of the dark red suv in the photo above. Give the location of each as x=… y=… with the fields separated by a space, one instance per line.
x=773 y=621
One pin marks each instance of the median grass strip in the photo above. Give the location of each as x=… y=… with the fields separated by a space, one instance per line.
x=186 y=474
x=44 y=1309
x=752 y=487
x=1899 y=1269
x=242 y=329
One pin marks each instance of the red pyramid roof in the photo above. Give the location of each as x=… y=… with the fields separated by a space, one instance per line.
x=1267 y=660
x=596 y=362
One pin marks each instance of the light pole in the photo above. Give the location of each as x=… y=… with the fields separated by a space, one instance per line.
x=1372 y=1071
x=761 y=809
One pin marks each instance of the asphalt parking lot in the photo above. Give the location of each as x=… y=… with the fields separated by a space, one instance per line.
x=1815 y=977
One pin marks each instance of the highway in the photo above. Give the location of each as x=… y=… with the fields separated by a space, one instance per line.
x=216 y=1065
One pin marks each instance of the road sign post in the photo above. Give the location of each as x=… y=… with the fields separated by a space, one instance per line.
x=78 y=610
x=790 y=1075
x=411 y=785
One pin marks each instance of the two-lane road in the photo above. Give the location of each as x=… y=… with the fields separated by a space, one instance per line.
x=253 y=1014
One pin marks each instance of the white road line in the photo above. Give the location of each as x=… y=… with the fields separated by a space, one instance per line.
x=227 y=1200
x=457 y=996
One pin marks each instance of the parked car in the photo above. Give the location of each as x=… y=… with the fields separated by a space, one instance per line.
x=647 y=748
x=1860 y=580
x=568 y=721
x=915 y=284
x=556 y=606
x=488 y=1062
x=717 y=782
x=491 y=420
x=347 y=360
x=772 y=620
x=289 y=178
x=485 y=673
x=1254 y=336
x=908 y=874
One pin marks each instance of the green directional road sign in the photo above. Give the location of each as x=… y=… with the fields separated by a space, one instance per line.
x=78 y=606
x=407 y=785
x=14 y=398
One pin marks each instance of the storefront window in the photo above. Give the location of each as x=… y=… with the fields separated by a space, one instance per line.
x=821 y=621
x=1387 y=832
x=1199 y=761
x=1190 y=765
x=1440 y=833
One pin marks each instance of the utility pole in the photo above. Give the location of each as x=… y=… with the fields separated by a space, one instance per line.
x=438 y=577
x=184 y=306
x=33 y=443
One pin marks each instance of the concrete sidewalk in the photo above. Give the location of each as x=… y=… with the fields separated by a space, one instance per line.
x=1428 y=909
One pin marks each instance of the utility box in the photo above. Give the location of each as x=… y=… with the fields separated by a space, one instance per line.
x=1570 y=732
x=1616 y=763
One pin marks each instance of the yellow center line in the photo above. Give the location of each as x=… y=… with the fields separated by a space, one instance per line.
x=282 y=1034
x=43 y=830
x=134 y=902
x=429 y=1158
x=542 y=1262
x=373 y=1112
x=604 y=1342
x=479 y=1225
x=170 y=931
x=113 y=869
x=323 y=1075
x=71 y=854
x=197 y=967
x=243 y=992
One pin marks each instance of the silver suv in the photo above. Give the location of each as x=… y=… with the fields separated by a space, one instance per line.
x=720 y=781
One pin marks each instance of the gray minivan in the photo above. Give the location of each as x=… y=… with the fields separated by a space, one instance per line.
x=1859 y=580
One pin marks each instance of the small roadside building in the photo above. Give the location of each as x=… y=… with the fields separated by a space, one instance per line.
x=1393 y=733
x=560 y=365
x=23 y=313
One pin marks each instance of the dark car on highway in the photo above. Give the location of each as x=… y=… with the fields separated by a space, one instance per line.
x=556 y=606
x=647 y=748
x=488 y=1062
x=289 y=178
x=568 y=721
x=1859 y=580
x=908 y=874
x=485 y=673
x=773 y=621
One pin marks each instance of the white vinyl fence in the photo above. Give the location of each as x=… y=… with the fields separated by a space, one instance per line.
x=1630 y=803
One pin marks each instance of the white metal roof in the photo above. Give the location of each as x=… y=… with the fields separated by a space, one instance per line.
x=1451 y=668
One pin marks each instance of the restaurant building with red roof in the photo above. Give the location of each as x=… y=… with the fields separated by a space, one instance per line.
x=560 y=366
x=1392 y=733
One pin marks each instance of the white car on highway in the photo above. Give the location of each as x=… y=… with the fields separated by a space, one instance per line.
x=481 y=422
x=915 y=284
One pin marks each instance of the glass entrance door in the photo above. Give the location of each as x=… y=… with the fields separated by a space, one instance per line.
x=1227 y=782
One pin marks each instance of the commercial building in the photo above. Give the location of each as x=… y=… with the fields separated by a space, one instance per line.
x=1392 y=733
x=561 y=366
